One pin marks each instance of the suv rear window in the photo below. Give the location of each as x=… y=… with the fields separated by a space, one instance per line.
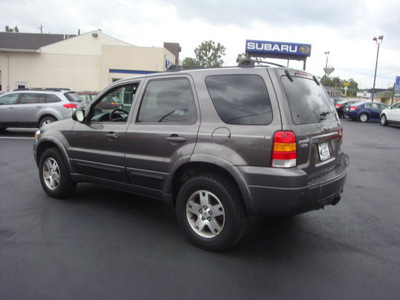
x=240 y=99
x=308 y=101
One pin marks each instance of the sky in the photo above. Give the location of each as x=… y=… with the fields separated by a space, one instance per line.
x=345 y=28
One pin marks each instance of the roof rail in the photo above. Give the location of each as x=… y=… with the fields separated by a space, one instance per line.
x=43 y=89
x=250 y=63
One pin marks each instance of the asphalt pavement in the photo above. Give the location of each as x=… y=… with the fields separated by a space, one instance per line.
x=105 y=244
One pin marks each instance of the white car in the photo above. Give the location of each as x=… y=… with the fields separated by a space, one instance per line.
x=391 y=115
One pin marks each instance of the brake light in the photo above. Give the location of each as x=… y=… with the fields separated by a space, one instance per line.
x=338 y=106
x=284 y=151
x=114 y=104
x=353 y=107
x=341 y=134
x=71 y=106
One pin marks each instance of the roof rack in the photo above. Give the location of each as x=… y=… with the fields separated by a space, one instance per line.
x=43 y=89
x=250 y=63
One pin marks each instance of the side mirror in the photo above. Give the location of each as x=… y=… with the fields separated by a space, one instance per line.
x=78 y=115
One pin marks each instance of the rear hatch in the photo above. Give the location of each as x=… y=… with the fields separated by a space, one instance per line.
x=312 y=116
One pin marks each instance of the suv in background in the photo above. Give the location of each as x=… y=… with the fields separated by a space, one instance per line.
x=217 y=144
x=37 y=107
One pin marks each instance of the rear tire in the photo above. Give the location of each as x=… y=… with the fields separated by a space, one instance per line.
x=46 y=120
x=210 y=212
x=363 y=118
x=54 y=175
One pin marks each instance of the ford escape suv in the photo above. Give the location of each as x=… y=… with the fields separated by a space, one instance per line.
x=218 y=144
x=37 y=107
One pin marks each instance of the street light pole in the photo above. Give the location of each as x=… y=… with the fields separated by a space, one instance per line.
x=378 y=42
x=326 y=65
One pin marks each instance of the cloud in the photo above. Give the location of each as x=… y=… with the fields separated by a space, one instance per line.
x=345 y=28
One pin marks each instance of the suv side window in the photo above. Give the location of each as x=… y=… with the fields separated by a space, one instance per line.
x=30 y=98
x=168 y=100
x=240 y=99
x=115 y=105
x=51 y=98
x=9 y=99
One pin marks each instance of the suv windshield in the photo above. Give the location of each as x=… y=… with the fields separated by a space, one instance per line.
x=308 y=101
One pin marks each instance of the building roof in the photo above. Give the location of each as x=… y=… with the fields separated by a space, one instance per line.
x=28 y=42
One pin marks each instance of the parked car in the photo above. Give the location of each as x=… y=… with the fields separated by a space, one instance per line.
x=340 y=105
x=346 y=107
x=217 y=144
x=36 y=107
x=366 y=111
x=391 y=115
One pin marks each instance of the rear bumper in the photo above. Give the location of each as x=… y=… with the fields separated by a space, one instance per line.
x=289 y=191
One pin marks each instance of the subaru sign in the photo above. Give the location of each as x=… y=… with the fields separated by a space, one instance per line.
x=397 y=84
x=277 y=48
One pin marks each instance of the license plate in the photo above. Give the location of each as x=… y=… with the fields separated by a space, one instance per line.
x=323 y=150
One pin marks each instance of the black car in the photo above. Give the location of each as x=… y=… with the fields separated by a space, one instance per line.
x=340 y=105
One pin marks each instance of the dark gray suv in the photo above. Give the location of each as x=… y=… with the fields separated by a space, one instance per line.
x=218 y=144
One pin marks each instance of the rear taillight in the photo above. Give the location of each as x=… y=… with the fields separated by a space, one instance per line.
x=353 y=107
x=338 y=106
x=341 y=134
x=284 y=152
x=71 y=106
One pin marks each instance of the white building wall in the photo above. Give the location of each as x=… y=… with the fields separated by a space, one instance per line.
x=81 y=63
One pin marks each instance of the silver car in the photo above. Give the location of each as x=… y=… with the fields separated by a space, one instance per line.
x=37 y=107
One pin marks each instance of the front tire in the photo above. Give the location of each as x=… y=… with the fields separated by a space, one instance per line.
x=384 y=120
x=210 y=212
x=54 y=176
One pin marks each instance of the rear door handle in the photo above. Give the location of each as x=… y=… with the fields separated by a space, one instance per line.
x=176 y=139
x=112 y=135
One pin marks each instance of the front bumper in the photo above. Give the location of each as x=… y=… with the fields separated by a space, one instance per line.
x=289 y=191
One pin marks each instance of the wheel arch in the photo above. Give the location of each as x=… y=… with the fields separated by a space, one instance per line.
x=192 y=169
x=47 y=144
x=45 y=116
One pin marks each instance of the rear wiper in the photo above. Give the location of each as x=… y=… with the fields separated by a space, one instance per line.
x=325 y=113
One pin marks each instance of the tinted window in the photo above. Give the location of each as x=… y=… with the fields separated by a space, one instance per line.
x=168 y=101
x=30 y=98
x=308 y=101
x=73 y=97
x=240 y=99
x=50 y=98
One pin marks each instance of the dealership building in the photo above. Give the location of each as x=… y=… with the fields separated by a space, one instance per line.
x=83 y=62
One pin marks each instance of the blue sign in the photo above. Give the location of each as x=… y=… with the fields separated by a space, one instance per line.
x=168 y=63
x=397 y=84
x=280 y=48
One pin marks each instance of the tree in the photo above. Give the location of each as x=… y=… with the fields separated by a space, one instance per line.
x=241 y=57
x=210 y=54
x=189 y=61
x=9 y=29
x=336 y=82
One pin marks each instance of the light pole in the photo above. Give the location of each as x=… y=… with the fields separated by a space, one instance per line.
x=326 y=65
x=378 y=42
